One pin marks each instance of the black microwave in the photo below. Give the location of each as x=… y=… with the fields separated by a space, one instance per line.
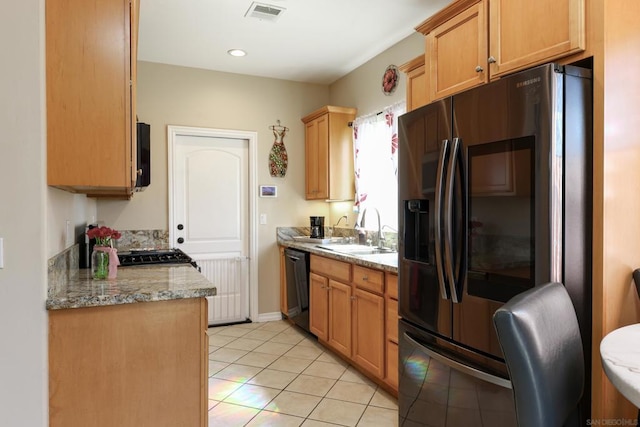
x=143 y=156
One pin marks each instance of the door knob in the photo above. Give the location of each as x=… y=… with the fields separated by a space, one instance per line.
x=180 y=240
x=180 y=226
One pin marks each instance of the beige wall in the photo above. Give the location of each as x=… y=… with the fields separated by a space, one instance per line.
x=23 y=319
x=362 y=88
x=169 y=95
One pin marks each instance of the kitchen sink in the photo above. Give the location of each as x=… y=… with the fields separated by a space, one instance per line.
x=349 y=249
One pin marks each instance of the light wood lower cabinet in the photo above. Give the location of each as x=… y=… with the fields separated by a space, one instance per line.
x=340 y=317
x=391 y=302
x=129 y=365
x=330 y=304
x=351 y=315
x=368 y=335
x=319 y=306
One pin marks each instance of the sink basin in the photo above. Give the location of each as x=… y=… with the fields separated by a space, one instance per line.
x=355 y=249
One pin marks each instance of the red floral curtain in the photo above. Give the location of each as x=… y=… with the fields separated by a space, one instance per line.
x=376 y=162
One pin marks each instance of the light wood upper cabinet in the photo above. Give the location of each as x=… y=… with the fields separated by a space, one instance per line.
x=525 y=33
x=416 y=83
x=329 y=154
x=471 y=42
x=90 y=73
x=457 y=52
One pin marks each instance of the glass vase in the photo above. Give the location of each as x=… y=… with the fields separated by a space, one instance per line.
x=99 y=263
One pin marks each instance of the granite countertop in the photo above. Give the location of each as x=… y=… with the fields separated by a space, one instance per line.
x=134 y=284
x=386 y=262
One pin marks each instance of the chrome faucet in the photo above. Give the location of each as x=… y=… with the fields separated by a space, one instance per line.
x=380 y=236
x=340 y=219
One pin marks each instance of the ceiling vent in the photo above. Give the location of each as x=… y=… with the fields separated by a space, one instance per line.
x=264 y=12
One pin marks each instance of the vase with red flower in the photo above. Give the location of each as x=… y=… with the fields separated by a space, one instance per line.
x=104 y=258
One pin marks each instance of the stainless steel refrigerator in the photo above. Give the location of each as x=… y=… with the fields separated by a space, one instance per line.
x=494 y=189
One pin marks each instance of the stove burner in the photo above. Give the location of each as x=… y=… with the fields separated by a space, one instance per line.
x=154 y=256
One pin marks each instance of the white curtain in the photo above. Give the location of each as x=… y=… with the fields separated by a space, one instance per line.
x=376 y=163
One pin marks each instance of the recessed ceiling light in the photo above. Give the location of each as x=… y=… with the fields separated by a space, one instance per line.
x=236 y=52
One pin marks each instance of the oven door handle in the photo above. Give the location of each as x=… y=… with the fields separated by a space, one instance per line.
x=437 y=218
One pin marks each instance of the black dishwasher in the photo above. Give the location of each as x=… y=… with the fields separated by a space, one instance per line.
x=297 y=275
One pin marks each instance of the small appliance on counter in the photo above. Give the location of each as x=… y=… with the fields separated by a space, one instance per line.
x=317 y=227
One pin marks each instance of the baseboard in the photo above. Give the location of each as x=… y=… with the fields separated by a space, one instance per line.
x=269 y=317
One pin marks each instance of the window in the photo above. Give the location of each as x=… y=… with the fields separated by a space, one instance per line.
x=376 y=165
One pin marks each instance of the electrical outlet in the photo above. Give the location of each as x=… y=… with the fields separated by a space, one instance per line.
x=263 y=219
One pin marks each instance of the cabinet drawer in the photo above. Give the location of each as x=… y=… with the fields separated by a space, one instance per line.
x=392 y=285
x=366 y=278
x=392 y=320
x=329 y=267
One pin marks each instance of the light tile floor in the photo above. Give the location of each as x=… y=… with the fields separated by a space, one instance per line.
x=274 y=374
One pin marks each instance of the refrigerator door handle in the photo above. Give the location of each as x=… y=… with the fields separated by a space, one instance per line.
x=460 y=367
x=437 y=217
x=448 y=222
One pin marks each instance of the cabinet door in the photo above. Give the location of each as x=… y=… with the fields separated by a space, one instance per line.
x=457 y=53
x=392 y=364
x=369 y=343
x=319 y=306
x=317 y=158
x=417 y=88
x=340 y=317
x=89 y=116
x=392 y=320
x=526 y=33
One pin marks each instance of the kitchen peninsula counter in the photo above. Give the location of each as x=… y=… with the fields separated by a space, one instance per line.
x=133 y=285
x=131 y=351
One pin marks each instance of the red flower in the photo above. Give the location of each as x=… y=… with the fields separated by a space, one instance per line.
x=103 y=235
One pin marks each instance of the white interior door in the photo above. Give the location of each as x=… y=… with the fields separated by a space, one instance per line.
x=211 y=216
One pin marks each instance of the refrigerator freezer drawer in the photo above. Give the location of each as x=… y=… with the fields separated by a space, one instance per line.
x=435 y=390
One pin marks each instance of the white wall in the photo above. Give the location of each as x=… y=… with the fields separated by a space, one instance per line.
x=23 y=320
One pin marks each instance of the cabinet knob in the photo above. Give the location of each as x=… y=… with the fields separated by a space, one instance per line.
x=365 y=278
x=353 y=298
x=180 y=226
x=491 y=60
x=479 y=69
x=180 y=240
x=139 y=172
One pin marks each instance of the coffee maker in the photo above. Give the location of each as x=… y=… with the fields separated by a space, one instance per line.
x=317 y=227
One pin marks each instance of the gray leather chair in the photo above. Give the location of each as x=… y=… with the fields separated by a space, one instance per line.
x=540 y=339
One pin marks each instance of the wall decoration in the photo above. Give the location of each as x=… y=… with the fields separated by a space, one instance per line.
x=268 y=191
x=278 y=160
x=390 y=80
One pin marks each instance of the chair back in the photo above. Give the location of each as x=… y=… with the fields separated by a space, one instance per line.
x=540 y=339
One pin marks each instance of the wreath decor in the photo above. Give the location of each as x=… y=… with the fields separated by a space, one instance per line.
x=390 y=80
